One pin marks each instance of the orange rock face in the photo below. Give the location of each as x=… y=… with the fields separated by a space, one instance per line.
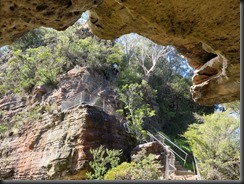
x=44 y=149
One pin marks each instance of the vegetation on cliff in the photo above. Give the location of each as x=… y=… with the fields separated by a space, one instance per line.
x=43 y=55
x=103 y=160
x=152 y=83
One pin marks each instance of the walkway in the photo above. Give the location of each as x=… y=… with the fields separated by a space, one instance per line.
x=173 y=169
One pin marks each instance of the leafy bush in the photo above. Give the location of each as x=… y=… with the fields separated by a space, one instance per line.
x=135 y=98
x=216 y=144
x=103 y=160
x=121 y=172
x=39 y=57
x=141 y=168
x=34 y=66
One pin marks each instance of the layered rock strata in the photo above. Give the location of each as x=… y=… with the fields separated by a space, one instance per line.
x=44 y=149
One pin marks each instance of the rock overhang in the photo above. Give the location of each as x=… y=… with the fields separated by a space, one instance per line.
x=206 y=33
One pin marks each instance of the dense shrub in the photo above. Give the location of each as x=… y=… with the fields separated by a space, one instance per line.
x=216 y=144
x=103 y=160
x=141 y=168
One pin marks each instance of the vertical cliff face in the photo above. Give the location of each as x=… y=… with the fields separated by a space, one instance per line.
x=56 y=146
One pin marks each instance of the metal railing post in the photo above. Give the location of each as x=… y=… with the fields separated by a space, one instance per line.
x=103 y=104
x=185 y=161
x=194 y=169
x=80 y=98
x=168 y=149
x=167 y=164
x=197 y=169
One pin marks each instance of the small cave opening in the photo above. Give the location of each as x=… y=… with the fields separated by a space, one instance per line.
x=208 y=56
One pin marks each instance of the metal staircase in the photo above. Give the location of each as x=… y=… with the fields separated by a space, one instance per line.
x=172 y=165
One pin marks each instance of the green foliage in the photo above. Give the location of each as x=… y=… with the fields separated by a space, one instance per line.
x=32 y=39
x=121 y=172
x=103 y=160
x=169 y=74
x=21 y=118
x=134 y=97
x=183 y=144
x=115 y=55
x=3 y=128
x=233 y=107
x=128 y=75
x=51 y=108
x=216 y=144
x=141 y=168
x=40 y=56
x=35 y=66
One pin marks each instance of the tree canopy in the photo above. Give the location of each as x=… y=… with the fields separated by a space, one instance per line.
x=216 y=144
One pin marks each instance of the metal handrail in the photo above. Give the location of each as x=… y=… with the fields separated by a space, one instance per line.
x=151 y=135
x=83 y=97
x=167 y=162
x=197 y=169
x=186 y=154
x=162 y=134
x=194 y=162
x=74 y=102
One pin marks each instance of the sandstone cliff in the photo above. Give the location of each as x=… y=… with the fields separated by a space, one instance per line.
x=206 y=32
x=78 y=80
x=44 y=141
x=56 y=146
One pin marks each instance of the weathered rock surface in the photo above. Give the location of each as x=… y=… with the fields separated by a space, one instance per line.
x=56 y=146
x=18 y=17
x=77 y=80
x=206 y=32
x=87 y=84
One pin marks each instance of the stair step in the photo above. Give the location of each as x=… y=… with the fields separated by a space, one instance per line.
x=184 y=172
x=184 y=177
